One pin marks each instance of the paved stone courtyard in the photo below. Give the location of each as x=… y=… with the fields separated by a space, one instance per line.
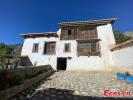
x=67 y=85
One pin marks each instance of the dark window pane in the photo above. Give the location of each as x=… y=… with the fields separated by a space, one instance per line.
x=67 y=47
x=49 y=48
x=93 y=47
x=35 y=48
x=87 y=48
x=69 y=32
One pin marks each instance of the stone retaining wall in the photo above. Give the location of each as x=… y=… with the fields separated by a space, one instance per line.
x=28 y=71
x=8 y=93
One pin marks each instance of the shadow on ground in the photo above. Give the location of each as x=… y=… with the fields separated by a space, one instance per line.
x=62 y=94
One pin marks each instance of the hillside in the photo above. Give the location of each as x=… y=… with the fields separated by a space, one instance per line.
x=16 y=48
x=129 y=34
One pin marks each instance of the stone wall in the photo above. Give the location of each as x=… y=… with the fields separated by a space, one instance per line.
x=29 y=71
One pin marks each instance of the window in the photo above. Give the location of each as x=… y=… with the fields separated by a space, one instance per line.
x=88 y=48
x=35 y=47
x=93 y=47
x=79 y=33
x=69 y=32
x=70 y=36
x=67 y=47
x=49 y=48
x=86 y=34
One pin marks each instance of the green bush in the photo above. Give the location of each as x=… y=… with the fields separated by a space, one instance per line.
x=4 y=86
x=120 y=37
x=16 y=80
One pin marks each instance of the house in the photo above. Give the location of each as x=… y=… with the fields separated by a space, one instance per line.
x=80 y=45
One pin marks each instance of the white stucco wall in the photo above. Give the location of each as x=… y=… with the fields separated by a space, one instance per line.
x=62 y=53
x=123 y=57
x=105 y=33
x=39 y=57
x=102 y=62
x=85 y=63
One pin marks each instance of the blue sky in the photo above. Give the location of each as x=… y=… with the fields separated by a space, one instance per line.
x=24 y=16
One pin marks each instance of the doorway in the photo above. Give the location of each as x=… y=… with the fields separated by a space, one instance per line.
x=61 y=63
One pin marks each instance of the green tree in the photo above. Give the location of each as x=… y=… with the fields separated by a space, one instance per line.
x=4 y=50
x=120 y=37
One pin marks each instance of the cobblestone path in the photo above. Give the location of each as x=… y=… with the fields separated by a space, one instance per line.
x=76 y=86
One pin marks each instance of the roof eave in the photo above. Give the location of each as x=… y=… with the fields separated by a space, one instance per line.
x=35 y=35
x=89 y=22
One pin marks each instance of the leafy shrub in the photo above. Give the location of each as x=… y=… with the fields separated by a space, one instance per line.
x=120 y=37
x=5 y=77
x=9 y=79
x=4 y=86
x=16 y=80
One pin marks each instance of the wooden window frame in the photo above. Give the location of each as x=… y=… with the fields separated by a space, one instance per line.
x=35 y=48
x=89 y=52
x=48 y=48
x=79 y=33
x=69 y=47
x=94 y=49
